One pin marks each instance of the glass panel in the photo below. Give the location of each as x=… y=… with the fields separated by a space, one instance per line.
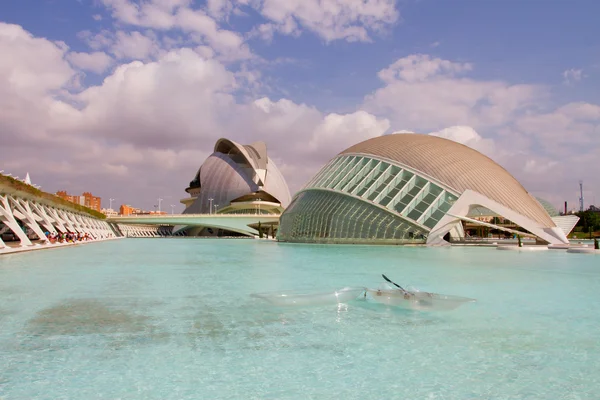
x=327 y=217
x=339 y=172
x=357 y=180
x=355 y=165
x=373 y=178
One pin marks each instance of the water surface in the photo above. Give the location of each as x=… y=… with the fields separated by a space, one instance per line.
x=173 y=319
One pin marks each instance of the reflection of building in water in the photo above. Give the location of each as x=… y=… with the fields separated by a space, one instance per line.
x=235 y=179
x=411 y=188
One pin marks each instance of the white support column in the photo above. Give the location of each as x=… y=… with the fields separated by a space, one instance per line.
x=28 y=217
x=6 y=216
x=469 y=198
x=96 y=228
x=66 y=220
x=46 y=220
x=58 y=221
x=75 y=221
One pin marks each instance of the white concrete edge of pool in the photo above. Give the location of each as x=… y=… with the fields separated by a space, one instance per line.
x=39 y=246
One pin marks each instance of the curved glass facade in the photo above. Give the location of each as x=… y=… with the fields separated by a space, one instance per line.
x=356 y=198
x=318 y=216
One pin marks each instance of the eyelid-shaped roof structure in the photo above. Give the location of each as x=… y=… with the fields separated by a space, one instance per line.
x=457 y=167
x=410 y=189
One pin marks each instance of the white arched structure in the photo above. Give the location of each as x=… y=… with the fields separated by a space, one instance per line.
x=39 y=215
x=451 y=222
x=234 y=172
x=409 y=188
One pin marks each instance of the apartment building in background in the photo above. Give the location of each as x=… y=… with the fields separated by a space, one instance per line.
x=86 y=199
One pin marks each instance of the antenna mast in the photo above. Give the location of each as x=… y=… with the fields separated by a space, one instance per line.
x=581 y=196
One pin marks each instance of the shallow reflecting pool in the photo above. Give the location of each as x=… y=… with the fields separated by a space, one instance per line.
x=174 y=319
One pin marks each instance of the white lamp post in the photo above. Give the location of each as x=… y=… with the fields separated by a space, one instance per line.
x=110 y=203
x=172 y=209
x=216 y=205
x=159 y=201
x=210 y=206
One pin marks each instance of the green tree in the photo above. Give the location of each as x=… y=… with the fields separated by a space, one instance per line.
x=589 y=221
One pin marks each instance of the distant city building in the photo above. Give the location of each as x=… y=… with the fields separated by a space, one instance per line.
x=126 y=209
x=109 y=212
x=86 y=199
x=236 y=179
x=412 y=188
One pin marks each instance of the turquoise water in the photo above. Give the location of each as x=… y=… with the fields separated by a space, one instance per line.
x=173 y=319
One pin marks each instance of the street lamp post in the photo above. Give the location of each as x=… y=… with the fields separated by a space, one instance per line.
x=159 y=201
x=172 y=209
x=216 y=205
x=210 y=206
x=110 y=202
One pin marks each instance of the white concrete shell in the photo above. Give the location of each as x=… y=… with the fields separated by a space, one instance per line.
x=409 y=188
x=234 y=170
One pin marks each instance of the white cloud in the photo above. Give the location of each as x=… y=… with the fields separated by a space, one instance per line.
x=337 y=132
x=33 y=72
x=423 y=93
x=97 y=17
x=165 y=15
x=572 y=75
x=97 y=41
x=149 y=125
x=20 y=66
x=469 y=137
x=97 y=62
x=144 y=130
x=538 y=167
x=134 y=46
x=229 y=44
x=421 y=67
x=348 y=20
x=572 y=127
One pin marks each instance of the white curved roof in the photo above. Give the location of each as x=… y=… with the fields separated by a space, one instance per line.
x=457 y=166
x=270 y=178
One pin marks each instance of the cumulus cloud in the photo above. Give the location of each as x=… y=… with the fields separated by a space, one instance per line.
x=134 y=46
x=148 y=125
x=331 y=20
x=423 y=93
x=165 y=15
x=469 y=137
x=420 y=67
x=516 y=125
x=96 y=62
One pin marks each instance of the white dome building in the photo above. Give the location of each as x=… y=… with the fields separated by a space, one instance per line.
x=237 y=179
x=409 y=188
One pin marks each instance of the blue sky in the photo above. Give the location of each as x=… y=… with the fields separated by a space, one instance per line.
x=522 y=75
